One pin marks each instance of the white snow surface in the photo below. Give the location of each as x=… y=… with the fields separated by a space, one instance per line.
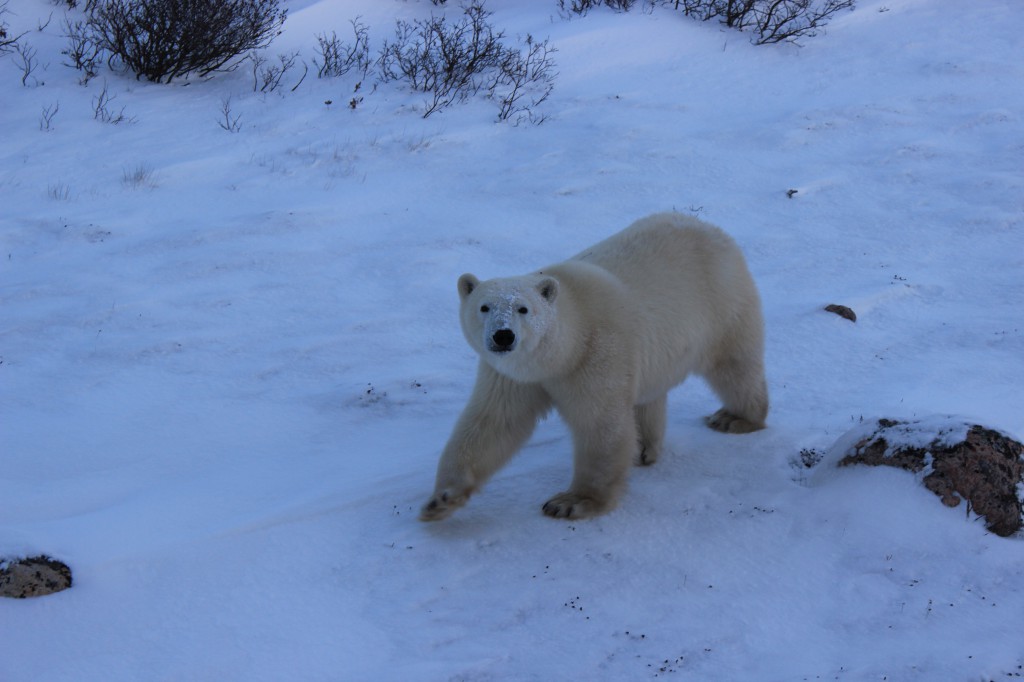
x=224 y=387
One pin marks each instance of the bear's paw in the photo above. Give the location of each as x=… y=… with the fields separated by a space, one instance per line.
x=571 y=505
x=727 y=422
x=441 y=505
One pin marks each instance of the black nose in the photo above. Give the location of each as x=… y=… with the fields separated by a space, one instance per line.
x=504 y=338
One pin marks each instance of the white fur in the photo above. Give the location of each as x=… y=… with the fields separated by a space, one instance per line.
x=602 y=337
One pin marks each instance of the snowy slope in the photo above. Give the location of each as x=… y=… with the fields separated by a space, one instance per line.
x=224 y=388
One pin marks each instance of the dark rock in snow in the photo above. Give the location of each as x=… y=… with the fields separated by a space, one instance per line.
x=33 y=577
x=842 y=311
x=957 y=460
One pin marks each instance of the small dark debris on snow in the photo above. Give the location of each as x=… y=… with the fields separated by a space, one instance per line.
x=809 y=457
x=985 y=467
x=33 y=577
x=842 y=311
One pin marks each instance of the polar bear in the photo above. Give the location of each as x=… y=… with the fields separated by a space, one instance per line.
x=602 y=337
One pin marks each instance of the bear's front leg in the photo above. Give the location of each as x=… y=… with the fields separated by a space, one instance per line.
x=499 y=418
x=604 y=444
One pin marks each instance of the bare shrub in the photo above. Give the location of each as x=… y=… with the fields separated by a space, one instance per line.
x=338 y=58
x=160 y=40
x=581 y=7
x=770 y=21
x=83 y=49
x=525 y=81
x=790 y=20
x=72 y=4
x=452 y=61
x=444 y=59
x=229 y=121
x=8 y=42
x=267 y=74
x=101 y=110
x=25 y=58
x=46 y=118
x=703 y=10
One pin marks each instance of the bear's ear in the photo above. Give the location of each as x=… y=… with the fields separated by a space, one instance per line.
x=548 y=289
x=466 y=285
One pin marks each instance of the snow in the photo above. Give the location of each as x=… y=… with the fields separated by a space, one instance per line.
x=224 y=387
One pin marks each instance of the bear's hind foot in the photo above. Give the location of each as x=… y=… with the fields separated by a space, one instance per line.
x=570 y=505
x=647 y=456
x=441 y=506
x=727 y=422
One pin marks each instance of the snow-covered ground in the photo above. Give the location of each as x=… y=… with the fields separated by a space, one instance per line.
x=229 y=361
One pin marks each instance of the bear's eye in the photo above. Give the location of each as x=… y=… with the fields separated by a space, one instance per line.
x=523 y=310
x=485 y=309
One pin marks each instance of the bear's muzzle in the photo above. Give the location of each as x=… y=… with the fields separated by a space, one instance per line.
x=502 y=341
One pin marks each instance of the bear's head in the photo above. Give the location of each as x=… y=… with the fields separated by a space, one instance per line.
x=506 y=320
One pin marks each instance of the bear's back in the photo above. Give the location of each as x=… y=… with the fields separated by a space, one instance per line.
x=660 y=241
x=688 y=285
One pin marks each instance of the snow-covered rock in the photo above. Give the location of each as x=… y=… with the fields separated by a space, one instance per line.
x=954 y=459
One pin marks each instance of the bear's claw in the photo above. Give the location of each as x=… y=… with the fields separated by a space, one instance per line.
x=571 y=506
x=441 y=506
x=727 y=422
x=647 y=456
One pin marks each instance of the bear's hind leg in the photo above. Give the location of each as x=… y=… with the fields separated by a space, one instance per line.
x=650 y=425
x=744 y=392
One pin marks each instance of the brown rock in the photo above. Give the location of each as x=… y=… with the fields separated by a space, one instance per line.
x=958 y=460
x=33 y=577
x=842 y=311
